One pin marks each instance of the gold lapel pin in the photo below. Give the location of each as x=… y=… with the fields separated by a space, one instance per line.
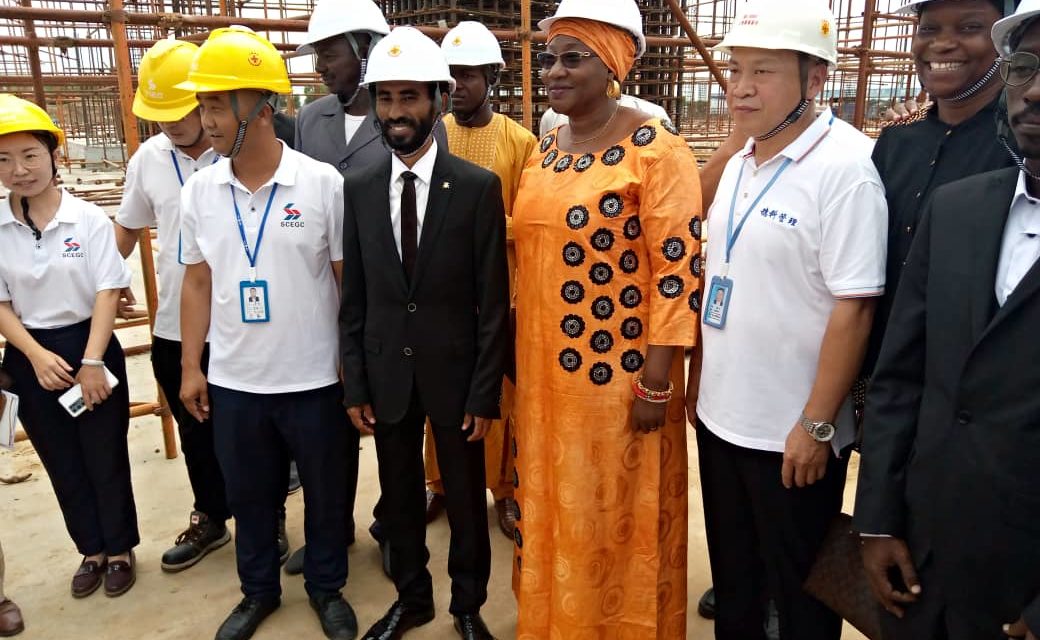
x=446 y=185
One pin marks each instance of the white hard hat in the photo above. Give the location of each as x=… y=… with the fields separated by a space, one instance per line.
x=336 y=17
x=1005 y=28
x=623 y=14
x=470 y=44
x=407 y=55
x=806 y=26
x=912 y=6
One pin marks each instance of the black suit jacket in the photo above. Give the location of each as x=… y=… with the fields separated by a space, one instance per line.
x=447 y=329
x=951 y=448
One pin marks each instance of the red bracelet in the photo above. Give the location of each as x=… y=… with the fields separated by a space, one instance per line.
x=651 y=395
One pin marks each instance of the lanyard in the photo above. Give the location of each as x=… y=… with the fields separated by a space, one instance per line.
x=180 y=179
x=251 y=255
x=731 y=233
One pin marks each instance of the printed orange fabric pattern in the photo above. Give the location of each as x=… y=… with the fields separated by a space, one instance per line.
x=608 y=248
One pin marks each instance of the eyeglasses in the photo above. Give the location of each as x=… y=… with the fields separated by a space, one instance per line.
x=570 y=59
x=30 y=160
x=1019 y=69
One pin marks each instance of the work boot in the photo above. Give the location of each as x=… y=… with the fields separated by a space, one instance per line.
x=202 y=536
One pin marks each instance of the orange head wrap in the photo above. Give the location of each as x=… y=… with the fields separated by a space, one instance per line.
x=614 y=46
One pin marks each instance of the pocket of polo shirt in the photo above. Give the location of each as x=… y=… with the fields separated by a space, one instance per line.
x=372 y=345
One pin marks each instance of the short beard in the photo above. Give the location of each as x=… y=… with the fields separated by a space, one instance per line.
x=422 y=133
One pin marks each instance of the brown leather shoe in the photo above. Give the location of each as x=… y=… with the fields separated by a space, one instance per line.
x=121 y=575
x=88 y=577
x=507 y=509
x=434 y=505
x=11 y=623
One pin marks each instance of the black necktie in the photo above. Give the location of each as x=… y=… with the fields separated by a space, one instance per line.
x=409 y=224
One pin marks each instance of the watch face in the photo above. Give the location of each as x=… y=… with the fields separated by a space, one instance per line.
x=824 y=431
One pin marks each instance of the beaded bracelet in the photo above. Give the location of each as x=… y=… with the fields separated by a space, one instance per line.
x=651 y=395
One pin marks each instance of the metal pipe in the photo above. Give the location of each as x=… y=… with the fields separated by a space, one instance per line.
x=860 y=111
x=124 y=75
x=71 y=43
x=526 y=89
x=35 y=69
x=691 y=33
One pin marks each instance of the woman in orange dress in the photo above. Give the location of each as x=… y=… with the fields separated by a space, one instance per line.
x=607 y=224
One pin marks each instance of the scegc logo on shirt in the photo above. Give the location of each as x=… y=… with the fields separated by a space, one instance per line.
x=293 y=217
x=72 y=249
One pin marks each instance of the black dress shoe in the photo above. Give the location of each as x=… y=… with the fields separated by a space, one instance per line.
x=379 y=534
x=706 y=605
x=283 y=541
x=434 y=505
x=294 y=480
x=245 y=618
x=336 y=615
x=399 y=619
x=471 y=627
x=294 y=565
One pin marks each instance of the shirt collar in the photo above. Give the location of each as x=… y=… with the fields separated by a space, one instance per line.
x=164 y=143
x=284 y=175
x=804 y=143
x=1021 y=191
x=68 y=210
x=423 y=167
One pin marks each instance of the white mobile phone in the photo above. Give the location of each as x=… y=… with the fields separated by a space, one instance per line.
x=72 y=399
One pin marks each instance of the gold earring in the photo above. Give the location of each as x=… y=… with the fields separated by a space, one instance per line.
x=614 y=89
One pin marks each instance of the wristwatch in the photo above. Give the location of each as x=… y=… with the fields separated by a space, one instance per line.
x=821 y=431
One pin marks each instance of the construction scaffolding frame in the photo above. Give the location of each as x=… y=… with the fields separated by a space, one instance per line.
x=78 y=59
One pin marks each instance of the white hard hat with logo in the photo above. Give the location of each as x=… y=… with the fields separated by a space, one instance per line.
x=806 y=26
x=407 y=55
x=471 y=44
x=339 y=17
x=1004 y=29
x=623 y=14
x=914 y=6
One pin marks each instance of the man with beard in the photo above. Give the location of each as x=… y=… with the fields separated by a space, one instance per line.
x=423 y=328
x=496 y=143
x=948 y=482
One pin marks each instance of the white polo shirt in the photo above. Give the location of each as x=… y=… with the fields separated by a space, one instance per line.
x=54 y=282
x=152 y=196
x=297 y=350
x=818 y=235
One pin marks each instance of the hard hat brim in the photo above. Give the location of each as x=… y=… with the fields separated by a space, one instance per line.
x=145 y=111
x=1003 y=28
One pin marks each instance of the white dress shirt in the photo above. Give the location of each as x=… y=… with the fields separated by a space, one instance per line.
x=1021 y=244
x=423 y=168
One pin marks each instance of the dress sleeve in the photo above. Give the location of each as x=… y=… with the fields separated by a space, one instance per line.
x=670 y=215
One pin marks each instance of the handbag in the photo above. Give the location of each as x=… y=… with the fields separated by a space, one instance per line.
x=838 y=579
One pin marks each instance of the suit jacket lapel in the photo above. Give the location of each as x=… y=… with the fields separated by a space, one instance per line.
x=334 y=129
x=990 y=219
x=436 y=210
x=379 y=199
x=366 y=133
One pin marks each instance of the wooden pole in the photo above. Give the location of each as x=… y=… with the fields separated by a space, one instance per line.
x=34 y=62
x=860 y=112
x=525 y=63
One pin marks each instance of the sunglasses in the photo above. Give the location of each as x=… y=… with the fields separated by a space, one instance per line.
x=1019 y=69
x=570 y=59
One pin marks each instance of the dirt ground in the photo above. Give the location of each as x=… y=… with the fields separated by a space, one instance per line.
x=191 y=605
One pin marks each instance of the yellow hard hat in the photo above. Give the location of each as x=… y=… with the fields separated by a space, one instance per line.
x=237 y=58
x=163 y=67
x=17 y=115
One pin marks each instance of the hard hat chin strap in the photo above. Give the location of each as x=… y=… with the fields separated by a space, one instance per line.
x=804 y=63
x=979 y=84
x=240 y=136
x=491 y=78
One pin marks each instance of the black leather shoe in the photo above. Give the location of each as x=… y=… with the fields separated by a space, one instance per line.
x=294 y=480
x=384 y=546
x=245 y=618
x=294 y=565
x=471 y=627
x=706 y=605
x=399 y=619
x=336 y=615
x=283 y=542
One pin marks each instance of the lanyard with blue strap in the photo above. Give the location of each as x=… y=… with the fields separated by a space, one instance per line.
x=180 y=179
x=251 y=254
x=721 y=290
x=253 y=294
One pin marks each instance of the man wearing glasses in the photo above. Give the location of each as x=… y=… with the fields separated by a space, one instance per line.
x=948 y=487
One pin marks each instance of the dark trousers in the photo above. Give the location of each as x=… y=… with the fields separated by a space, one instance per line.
x=86 y=457
x=402 y=479
x=207 y=483
x=933 y=617
x=763 y=538
x=254 y=436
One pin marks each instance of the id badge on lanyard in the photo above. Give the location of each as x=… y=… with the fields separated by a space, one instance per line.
x=720 y=292
x=252 y=293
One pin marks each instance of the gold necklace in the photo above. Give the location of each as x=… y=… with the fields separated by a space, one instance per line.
x=617 y=108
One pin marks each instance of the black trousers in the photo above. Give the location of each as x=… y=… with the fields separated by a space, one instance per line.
x=207 y=482
x=254 y=436
x=763 y=538
x=86 y=457
x=402 y=479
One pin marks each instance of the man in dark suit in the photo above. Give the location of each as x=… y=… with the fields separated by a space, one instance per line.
x=948 y=500
x=423 y=328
